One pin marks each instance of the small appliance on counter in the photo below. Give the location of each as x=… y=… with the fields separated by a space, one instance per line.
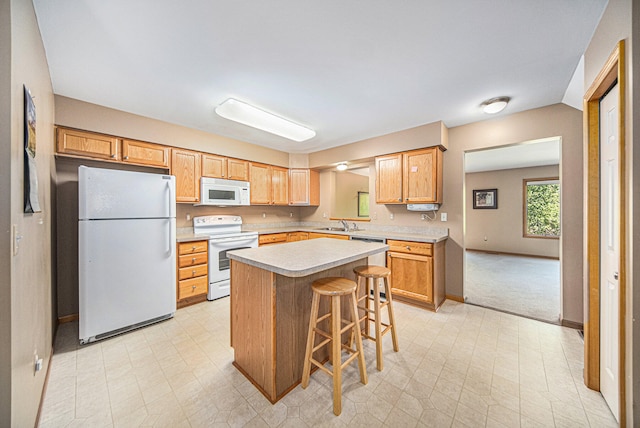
x=126 y=250
x=225 y=234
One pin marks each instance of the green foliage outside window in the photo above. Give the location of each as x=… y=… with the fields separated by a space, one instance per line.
x=543 y=209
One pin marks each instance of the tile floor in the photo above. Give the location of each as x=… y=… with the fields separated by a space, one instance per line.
x=528 y=286
x=465 y=366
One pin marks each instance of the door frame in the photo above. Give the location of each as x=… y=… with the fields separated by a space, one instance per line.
x=612 y=72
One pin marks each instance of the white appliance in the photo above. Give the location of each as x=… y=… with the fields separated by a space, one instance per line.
x=221 y=192
x=126 y=246
x=225 y=234
x=379 y=259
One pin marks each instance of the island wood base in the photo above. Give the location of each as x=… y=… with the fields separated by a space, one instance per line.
x=269 y=324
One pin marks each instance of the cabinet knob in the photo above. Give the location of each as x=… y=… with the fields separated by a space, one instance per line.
x=126 y=157
x=193 y=287
x=113 y=155
x=193 y=259
x=193 y=272
x=193 y=248
x=408 y=247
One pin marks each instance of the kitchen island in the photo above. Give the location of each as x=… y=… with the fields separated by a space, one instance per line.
x=271 y=304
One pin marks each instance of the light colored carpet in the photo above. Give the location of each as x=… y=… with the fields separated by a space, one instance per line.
x=527 y=286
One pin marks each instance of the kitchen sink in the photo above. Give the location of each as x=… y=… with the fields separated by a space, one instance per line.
x=333 y=229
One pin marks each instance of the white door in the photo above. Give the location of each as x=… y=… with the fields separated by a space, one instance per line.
x=609 y=250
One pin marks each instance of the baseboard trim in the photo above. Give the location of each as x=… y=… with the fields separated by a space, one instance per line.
x=44 y=388
x=68 y=318
x=454 y=298
x=511 y=254
x=572 y=324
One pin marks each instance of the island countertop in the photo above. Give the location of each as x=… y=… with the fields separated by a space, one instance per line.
x=302 y=258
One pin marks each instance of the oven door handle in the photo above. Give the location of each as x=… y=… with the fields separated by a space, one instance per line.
x=234 y=240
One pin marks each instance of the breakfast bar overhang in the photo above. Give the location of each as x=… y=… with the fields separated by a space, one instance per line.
x=271 y=304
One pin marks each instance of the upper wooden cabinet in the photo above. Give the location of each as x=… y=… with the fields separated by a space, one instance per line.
x=413 y=177
x=222 y=167
x=87 y=144
x=185 y=165
x=304 y=187
x=269 y=184
x=148 y=154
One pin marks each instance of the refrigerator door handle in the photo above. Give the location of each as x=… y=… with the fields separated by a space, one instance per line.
x=172 y=230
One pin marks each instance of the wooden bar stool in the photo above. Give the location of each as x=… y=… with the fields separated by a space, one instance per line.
x=372 y=274
x=334 y=288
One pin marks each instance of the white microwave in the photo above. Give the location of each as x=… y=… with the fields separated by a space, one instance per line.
x=221 y=192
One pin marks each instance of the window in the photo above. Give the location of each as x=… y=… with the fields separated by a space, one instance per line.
x=541 y=205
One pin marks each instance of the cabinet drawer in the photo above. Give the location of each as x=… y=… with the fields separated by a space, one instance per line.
x=192 y=287
x=192 y=271
x=410 y=247
x=192 y=259
x=272 y=238
x=192 y=247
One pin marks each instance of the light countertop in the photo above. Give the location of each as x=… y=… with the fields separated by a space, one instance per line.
x=302 y=258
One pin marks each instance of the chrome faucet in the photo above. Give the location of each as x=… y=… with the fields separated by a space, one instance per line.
x=345 y=225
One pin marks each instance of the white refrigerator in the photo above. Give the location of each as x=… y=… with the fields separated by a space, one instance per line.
x=127 y=250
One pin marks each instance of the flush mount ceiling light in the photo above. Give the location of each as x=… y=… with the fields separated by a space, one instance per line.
x=495 y=105
x=249 y=115
x=342 y=167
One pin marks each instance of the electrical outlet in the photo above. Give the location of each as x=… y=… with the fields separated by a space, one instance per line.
x=291 y=215
x=264 y=215
x=324 y=215
x=391 y=216
x=423 y=216
x=375 y=215
x=443 y=216
x=188 y=216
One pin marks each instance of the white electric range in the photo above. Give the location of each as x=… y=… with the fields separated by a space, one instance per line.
x=225 y=234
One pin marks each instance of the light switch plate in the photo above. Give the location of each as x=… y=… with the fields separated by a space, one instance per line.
x=443 y=216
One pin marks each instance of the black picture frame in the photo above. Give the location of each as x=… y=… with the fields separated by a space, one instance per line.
x=485 y=199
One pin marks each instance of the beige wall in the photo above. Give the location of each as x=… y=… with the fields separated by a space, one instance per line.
x=556 y=120
x=78 y=114
x=30 y=286
x=616 y=25
x=347 y=186
x=502 y=227
x=432 y=134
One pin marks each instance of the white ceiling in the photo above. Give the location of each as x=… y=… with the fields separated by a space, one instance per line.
x=532 y=153
x=348 y=69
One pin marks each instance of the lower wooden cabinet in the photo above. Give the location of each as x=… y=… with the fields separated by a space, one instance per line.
x=297 y=236
x=193 y=272
x=272 y=238
x=417 y=272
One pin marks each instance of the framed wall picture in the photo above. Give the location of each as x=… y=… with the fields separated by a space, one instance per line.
x=485 y=199
x=31 y=203
x=363 y=204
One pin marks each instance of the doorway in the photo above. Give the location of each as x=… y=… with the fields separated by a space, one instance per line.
x=605 y=317
x=512 y=248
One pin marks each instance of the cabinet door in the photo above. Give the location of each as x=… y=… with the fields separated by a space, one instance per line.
x=260 y=179
x=185 y=165
x=421 y=179
x=280 y=185
x=214 y=166
x=87 y=144
x=411 y=276
x=389 y=179
x=238 y=169
x=148 y=154
x=304 y=187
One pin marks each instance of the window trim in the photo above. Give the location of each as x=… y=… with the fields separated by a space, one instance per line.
x=525 y=183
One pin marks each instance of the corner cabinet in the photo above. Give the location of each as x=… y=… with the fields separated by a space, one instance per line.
x=269 y=184
x=304 y=187
x=185 y=165
x=193 y=272
x=417 y=272
x=413 y=177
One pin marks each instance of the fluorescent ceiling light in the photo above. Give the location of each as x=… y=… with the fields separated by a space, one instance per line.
x=495 y=105
x=252 y=116
x=342 y=167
